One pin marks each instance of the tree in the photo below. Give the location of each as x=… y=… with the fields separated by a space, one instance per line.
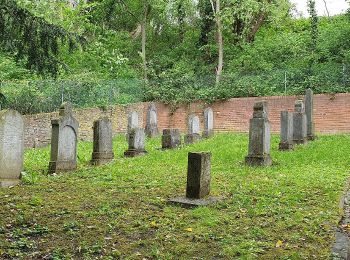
x=33 y=38
x=216 y=11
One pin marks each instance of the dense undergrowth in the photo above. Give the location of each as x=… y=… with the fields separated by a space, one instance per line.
x=287 y=54
x=120 y=210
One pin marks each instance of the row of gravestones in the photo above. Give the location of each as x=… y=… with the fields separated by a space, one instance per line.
x=63 y=155
x=296 y=128
x=171 y=138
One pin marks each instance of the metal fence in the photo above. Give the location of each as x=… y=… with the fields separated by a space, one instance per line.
x=46 y=95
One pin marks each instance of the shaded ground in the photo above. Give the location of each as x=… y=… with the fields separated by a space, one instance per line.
x=288 y=211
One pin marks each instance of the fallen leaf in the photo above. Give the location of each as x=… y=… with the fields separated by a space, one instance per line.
x=279 y=243
x=188 y=229
x=153 y=224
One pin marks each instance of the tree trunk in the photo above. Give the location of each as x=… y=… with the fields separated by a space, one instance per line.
x=256 y=26
x=143 y=42
x=181 y=20
x=220 y=41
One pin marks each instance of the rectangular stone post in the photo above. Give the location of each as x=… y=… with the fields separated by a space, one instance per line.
x=103 y=142
x=299 y=124
x=259 y=137
x=198 y=175
x=286 y=142
x=171 y=138
x=208 y=123
x=198 y=181
x=309 y=111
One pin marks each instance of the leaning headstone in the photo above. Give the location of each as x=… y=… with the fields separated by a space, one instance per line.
x=299 y=123
x=198 y=181
x=11 y=147
x=103 y=142
x=152 y=121
x=193 y=134
x=259 y=137
x=309 y=111
x=208 y=123
x=64 y=141
x=171 y=138
x=286 y=142
x=136 y=142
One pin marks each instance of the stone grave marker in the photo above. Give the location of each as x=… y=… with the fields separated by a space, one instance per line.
x=286 y=134
x=208 y=123
x=171 y=138
x=299 y=123
x=136 y=142
x=133 y=120
x=152 y=121
x=259 y=137
x=309 y=111
x=193 y=134
x=103 y=142
x=64 y=140
x=198 y=181
x=11 y=147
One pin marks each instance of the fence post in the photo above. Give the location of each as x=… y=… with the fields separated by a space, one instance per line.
x=285 y=82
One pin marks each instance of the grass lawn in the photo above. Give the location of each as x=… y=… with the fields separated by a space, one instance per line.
x=120 y=210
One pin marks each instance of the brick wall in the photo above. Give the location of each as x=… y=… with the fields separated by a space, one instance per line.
x=331 y=114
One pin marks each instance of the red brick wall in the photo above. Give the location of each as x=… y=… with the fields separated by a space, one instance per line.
x=331 y=115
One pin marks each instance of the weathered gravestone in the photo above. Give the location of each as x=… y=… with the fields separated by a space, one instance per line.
x=259 y=137
x=309 y=111
x=198 y=181
x=133 y=121
x=208 y=123
x=103 y=142
x=64 y=140
x=136 y=142
x=193 y=130
x=299 y=123
x=11 y=147
x=286 y=142
x=152 y=121
x=171 y=138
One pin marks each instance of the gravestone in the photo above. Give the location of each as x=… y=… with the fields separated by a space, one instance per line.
x=103 y=142
x=286 y=142
x=136 y=142
x=133 y=120
x=152 y=121
x=309 y=111
x=198 y=181
x=299 y=123
x=171 y=138
x=259 y=137
x=64 y=140
x=193 y=134
x=208 y=123
x=11 y=147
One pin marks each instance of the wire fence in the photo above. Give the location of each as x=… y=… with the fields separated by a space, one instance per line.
x=30 y=97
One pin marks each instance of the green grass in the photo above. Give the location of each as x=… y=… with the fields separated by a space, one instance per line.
x=120 y=210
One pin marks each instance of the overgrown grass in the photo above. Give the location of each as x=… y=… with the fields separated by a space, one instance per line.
x=120 y=210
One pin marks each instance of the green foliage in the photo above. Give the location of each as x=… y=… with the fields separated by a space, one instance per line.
x=46 y=96
x=266 y=52
x=32 y=38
